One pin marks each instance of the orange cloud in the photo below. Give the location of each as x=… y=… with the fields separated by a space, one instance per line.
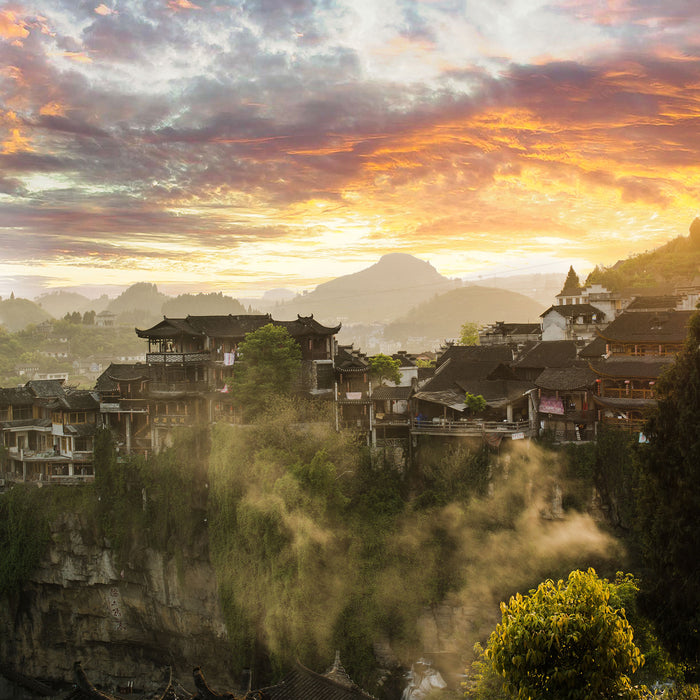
x=182 y=5
x=54 y=109
x=11 y=27
x=77 y=56
x=14 y=141
x=103 y=10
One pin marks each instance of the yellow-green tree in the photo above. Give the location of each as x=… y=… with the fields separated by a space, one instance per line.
x=565 y=641
x=469 y=333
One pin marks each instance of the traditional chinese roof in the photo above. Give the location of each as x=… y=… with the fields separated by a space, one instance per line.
x=16 y=396
x=108 y=380
x=303 y=684
x=645 y=367
x=348 y=359
x=648 y=327
x=497 y=392
x=575 y=310
x=77 y=400
x=80 y=429
x=451 y=373
x=27 y=423
x=46 y=388
x=665 y=302
x=233 y=326
x=566 y=378
x=476 y=353
x=391 y=393
x=594 y=350
x=506 y=329
x=549 y=353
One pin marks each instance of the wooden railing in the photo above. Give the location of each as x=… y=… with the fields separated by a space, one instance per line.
x=440 y=426
x=167 y=358
x=631 y=393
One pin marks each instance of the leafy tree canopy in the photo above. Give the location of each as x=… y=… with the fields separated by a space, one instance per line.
x=385 y=367
x=469 y=333
x=565 y=641
x=269 y=367
x=474 y=403
x=669 y=520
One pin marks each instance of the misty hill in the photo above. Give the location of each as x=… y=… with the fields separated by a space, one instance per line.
x=16 y=314
x=381 y=292
x=441 y=318
x=674 y=264
x=202 y=305
x=59 y=303
x=140 y=304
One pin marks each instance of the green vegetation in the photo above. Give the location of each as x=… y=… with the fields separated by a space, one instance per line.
x=268 y=369
x=668 y=522
x=24 y=535
x=474 y=403
x=676 y=261
x=384 y=367
x=469 y=333
x=568 y=640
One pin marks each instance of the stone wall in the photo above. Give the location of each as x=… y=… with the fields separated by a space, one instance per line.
x=125 y=623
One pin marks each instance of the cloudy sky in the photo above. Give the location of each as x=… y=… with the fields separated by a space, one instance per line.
x=248 y=144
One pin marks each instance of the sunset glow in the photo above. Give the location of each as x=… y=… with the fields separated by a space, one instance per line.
x=236 y=147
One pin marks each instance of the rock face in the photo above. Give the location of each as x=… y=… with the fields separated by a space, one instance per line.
x=126 y=624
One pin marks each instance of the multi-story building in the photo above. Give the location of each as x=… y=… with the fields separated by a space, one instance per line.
x=48 y=431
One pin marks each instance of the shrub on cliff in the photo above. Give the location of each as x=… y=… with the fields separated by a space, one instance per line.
x=24 y=535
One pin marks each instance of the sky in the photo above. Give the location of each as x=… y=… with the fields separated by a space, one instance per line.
x=245 y=145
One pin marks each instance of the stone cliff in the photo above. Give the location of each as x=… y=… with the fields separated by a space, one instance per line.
x=126 y=623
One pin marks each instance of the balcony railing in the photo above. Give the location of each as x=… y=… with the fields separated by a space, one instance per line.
x=172 y=420
x=181 y=358
x=178 y=387
x=631 y=393
x=440 y=426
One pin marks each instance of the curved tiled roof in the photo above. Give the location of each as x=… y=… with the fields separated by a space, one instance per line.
x=566 y=378
x=231 y=326
x=648 y=327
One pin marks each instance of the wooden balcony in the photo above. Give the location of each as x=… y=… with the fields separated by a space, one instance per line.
x=626 y=393
x=176 y=388
x=466 y=427
x=177 y=358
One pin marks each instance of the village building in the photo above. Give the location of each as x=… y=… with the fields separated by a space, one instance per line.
x=639 y=346
x=48 y=431
x=516 y=335
x=439 y=407
x=184 y=379
x=353 y=390
x=565 y=403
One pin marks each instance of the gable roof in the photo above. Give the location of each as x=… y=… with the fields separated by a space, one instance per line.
x=16 y=396
x=648 y=327
x=46 y=388
x=566 y=378
x=645 y=367
x=450 y=374
x=575 y=310
x=303 y=684
x=549 y=353
x=476 y=353
x=595 y=349
x=395 y=393
x=666 y=302
x=108 y=380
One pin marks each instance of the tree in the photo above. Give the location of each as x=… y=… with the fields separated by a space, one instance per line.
x=565 y=641
x=469 y=333
x=668 y=527
x=572 y=284
x=269 y=367
x=385 y=367
x=474 y=403
x=695 y=232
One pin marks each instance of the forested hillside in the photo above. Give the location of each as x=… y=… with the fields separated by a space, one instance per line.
x=671 y=265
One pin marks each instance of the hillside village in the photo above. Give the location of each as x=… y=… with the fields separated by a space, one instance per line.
x=593 y=359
